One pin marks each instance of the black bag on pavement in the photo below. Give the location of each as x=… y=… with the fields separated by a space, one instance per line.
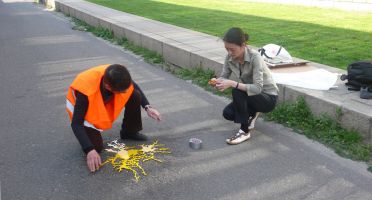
x=359 y=74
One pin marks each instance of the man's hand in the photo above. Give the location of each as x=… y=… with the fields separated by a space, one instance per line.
x=153 y=113
x=93 y=160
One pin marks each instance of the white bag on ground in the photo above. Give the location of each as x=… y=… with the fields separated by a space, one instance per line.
x=275 y=54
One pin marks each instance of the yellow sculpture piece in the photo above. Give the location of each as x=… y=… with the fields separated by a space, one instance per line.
x=129 y=158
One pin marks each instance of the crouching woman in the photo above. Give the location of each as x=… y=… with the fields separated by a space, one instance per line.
x=254 y=89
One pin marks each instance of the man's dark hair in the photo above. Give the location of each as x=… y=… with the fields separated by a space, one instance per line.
x=117 y=77
x=236 y=36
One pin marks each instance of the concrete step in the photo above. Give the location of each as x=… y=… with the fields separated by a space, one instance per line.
x=186 y=48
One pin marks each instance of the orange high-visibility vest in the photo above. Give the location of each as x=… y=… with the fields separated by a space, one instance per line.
x=99 y=116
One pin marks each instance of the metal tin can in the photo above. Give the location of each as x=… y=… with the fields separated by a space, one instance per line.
x=195 y=143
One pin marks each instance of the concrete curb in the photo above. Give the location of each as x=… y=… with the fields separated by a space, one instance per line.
x=187 y=48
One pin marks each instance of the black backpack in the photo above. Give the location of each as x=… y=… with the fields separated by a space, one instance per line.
x=359 y=75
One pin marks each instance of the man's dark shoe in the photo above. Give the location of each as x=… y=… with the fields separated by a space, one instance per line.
x=136 y=136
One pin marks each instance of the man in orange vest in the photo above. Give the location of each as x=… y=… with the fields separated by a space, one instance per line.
x=94 y=101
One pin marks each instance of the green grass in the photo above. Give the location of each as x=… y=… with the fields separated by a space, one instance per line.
x=149 y=56
x=296 y=115
x=326 y=36
x=200 y=77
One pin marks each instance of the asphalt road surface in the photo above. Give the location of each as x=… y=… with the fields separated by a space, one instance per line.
x=41 y=159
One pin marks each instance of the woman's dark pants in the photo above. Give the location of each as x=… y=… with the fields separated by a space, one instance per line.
x=243 y=106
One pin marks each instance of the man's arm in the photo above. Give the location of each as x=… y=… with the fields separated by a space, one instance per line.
x=144 y=101
x=151 y=112
x=77 y=123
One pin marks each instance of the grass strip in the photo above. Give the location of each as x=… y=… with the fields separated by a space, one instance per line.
x=149 y=56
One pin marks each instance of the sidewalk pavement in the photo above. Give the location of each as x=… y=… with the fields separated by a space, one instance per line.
x=41 y=159
x=187 y=48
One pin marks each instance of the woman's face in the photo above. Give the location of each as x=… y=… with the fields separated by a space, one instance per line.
x=235 y=51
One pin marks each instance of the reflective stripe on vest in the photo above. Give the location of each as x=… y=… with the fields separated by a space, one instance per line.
x=71 y=107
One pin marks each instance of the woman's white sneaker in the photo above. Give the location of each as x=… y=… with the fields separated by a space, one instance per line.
x=239 y=137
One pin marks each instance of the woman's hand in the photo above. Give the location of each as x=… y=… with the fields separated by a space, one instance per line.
x=153 y=113
x=223 y=84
